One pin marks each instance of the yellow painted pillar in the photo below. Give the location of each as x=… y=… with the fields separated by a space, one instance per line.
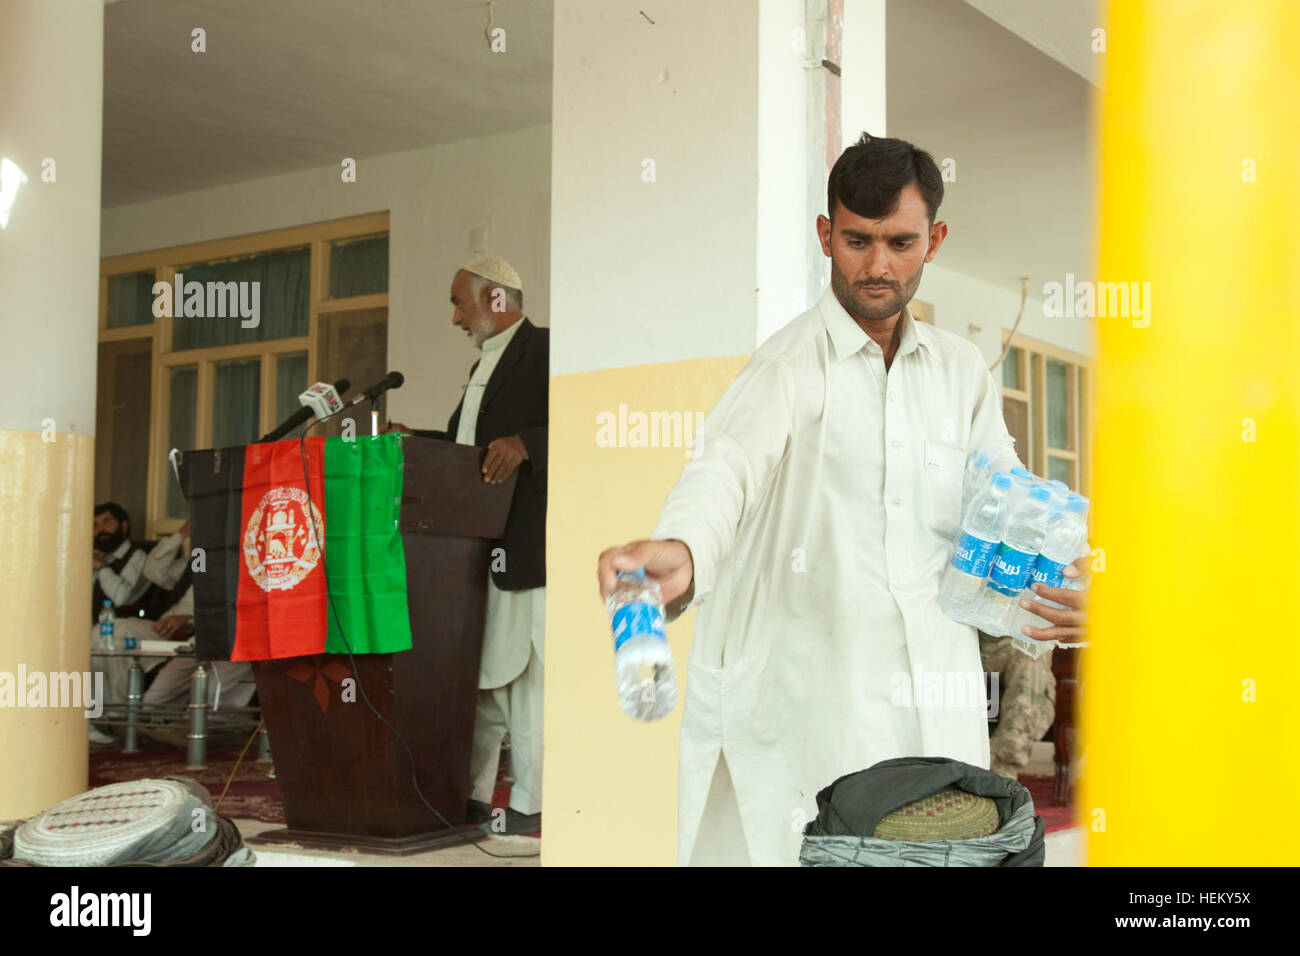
x=1190 y=703
x=51 y=75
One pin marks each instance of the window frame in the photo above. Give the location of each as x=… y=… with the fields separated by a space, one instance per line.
x=1080 y=369
x=164 y=263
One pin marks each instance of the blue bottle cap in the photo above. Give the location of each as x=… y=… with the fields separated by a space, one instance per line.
x=1059 y=485
x=1001 y=480
x=1022 y=474
x=107 y=603
x=1040 y=493
x=1077 y=503
x=637 y=575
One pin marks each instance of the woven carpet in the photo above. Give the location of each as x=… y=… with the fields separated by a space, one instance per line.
x=252 y=794
x=1040 y=788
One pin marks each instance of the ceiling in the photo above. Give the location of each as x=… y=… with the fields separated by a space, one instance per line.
x=299 y=84
x=296 y=84
x=1015 y=120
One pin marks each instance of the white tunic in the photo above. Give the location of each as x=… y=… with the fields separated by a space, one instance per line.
x=819 y=509
x=510 y=616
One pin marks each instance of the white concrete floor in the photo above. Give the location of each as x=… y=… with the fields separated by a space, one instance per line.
x=463 y=855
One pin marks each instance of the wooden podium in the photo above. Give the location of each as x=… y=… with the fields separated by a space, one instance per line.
x=344 y=776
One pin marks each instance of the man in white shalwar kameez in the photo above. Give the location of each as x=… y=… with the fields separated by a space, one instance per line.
x=504 y=408
x=812 y=527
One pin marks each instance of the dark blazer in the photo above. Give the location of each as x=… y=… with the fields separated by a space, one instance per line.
x=516 y=401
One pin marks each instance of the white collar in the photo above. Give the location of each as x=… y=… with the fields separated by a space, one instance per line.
x=848 y=338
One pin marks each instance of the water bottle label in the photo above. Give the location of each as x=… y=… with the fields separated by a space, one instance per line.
x=637 y=619
x=105 y=627
x=972 y=555
x=1048 y=573
x=130 y=644
x=1011 y=570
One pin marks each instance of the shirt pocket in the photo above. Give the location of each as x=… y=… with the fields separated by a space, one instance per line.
x=944 y=467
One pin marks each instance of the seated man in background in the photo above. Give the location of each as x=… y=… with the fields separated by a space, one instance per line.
x=143 y=589
x=229 y=682
x=118 y=561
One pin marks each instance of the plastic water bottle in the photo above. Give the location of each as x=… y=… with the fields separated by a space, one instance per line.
x=973 y=554
x=1024 y=481
x=979 y=470
x=1021 y=542
x=106 y=642
x=643 y=661
x=1067 y=532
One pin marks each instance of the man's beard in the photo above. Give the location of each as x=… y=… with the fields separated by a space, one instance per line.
x=858 y=304
x=482 y=328
x=107 y=542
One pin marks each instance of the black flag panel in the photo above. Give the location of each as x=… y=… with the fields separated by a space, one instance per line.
x=213 y=481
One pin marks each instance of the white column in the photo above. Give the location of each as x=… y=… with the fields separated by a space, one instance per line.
x=863 y=77
x=51 y=105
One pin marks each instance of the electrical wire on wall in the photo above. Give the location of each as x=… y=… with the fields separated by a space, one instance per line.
x=1024 y=295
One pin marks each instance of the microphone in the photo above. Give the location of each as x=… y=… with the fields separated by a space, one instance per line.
x=319 y=401
x=389 y=381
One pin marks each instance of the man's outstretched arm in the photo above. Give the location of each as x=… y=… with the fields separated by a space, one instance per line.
x=736 y=456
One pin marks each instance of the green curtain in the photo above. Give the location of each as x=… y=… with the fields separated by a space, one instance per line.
x=284 y=277
x=236 y=390
x=130 y=300
x=358 y=267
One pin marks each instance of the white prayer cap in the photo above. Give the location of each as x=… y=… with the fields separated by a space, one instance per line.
x=494 y=269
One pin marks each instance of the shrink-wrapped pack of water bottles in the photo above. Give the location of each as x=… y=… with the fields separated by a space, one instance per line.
x=1016 y=529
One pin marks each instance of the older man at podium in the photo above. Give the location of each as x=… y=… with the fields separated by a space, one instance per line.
x=505 y=409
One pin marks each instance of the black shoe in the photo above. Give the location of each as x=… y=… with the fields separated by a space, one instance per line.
x=519 y=824
x=476 y=812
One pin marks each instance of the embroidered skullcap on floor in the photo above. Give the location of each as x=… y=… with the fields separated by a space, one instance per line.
x=949 y=815
x=144 y=821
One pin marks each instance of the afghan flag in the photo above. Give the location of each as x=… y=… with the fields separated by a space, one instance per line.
x=261 y=512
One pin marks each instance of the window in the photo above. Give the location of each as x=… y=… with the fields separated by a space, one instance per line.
x=1045 y=401
x=232 y=373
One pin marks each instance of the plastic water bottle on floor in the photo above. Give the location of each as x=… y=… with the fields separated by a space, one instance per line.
x=106 y=642
x=643 y=661
x=974 y=551
x=1021 y=542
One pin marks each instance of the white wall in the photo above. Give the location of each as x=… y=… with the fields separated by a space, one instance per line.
x=960 y=301
x=663 y=270
x=436 y=199
x=785 y=231
x=863 y=88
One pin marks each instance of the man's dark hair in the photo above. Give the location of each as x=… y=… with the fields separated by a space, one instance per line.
x=113 y=508
x=870 y=175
